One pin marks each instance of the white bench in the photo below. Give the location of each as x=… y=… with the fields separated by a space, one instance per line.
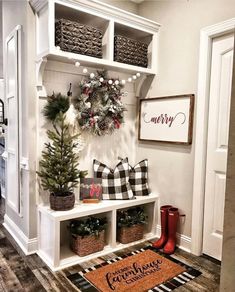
x=54 y=237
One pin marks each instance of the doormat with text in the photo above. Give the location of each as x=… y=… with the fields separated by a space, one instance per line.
x=141 y=270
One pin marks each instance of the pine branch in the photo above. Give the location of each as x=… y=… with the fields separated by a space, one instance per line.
x=55 y=104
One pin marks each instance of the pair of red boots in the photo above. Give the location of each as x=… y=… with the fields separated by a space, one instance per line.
x=169 y=221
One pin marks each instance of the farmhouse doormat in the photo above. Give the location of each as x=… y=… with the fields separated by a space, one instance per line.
x=141 y=270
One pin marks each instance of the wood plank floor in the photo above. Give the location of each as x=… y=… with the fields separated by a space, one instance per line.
x=28 y=273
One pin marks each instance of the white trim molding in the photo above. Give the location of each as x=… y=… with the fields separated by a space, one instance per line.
x=206 y=37
x=182 y=241
x=28 y=246
x=100 y=9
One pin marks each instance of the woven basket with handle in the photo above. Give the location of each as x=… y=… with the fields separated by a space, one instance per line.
x=88 y=244
x=130 y=234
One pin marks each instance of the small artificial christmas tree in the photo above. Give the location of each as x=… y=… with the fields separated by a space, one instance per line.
x=59 y=164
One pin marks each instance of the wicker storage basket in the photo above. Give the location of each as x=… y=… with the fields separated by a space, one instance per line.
x=78 y=38
x=130 y=234
x=59 y=203
x=88 y=244
x=130 y=51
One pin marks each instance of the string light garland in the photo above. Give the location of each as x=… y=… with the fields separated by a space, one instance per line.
x=110 y=82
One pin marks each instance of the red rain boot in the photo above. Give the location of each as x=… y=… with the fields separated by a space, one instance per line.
x=173 y=216
x=164 y=218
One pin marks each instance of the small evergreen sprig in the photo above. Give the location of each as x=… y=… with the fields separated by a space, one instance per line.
x=130 y=217
x=56 y=103
x=59 y=164
x=89 y=226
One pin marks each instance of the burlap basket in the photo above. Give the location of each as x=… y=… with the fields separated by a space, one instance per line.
x=78 y=38
x=59 y=203
x=130 y=234
x=130 y=51
x=88 y=244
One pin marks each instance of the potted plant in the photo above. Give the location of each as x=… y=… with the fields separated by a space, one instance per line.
x=130 y=224
x=59 y=166
x=88 y=235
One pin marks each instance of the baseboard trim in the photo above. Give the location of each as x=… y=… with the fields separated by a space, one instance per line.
x=183 y=241
x=28 y=246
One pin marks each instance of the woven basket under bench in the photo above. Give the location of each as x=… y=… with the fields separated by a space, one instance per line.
x=130 y=51
x=74 y=37
x=88 y=244
x=130 y=234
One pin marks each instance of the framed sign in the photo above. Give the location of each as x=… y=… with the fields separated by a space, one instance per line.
x=167 y=119
x=90 y=190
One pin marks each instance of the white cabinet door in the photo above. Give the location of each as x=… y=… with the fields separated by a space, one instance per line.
x=12 y=104
x=217 y=144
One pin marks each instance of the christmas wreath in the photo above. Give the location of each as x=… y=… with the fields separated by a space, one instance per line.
x=100 y=109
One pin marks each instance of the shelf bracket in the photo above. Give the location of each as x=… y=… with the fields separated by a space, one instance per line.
x=143 y=85
x=40 y=68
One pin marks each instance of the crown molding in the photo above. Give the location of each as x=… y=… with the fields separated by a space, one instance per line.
x=108 y=11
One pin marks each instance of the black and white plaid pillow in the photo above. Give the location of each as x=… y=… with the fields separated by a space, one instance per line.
x=115 y=182
x=139 y=178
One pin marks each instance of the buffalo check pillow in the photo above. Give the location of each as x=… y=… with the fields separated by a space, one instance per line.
x=115 y=182
x=138 y=178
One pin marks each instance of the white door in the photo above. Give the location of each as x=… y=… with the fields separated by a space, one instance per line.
x=217 y=144
x=12 y=102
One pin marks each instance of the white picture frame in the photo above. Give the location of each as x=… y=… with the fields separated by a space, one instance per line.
x=167 y=119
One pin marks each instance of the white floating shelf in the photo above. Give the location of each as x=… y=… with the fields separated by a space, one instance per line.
x=86 y=61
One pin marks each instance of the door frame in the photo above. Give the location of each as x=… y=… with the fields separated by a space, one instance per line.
x=207 y=35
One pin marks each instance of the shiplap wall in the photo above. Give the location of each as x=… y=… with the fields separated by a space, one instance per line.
x=122 y=142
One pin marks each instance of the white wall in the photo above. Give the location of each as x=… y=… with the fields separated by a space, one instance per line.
x=171 y=167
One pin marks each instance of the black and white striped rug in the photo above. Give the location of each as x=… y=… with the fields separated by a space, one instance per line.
x=78 y=278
